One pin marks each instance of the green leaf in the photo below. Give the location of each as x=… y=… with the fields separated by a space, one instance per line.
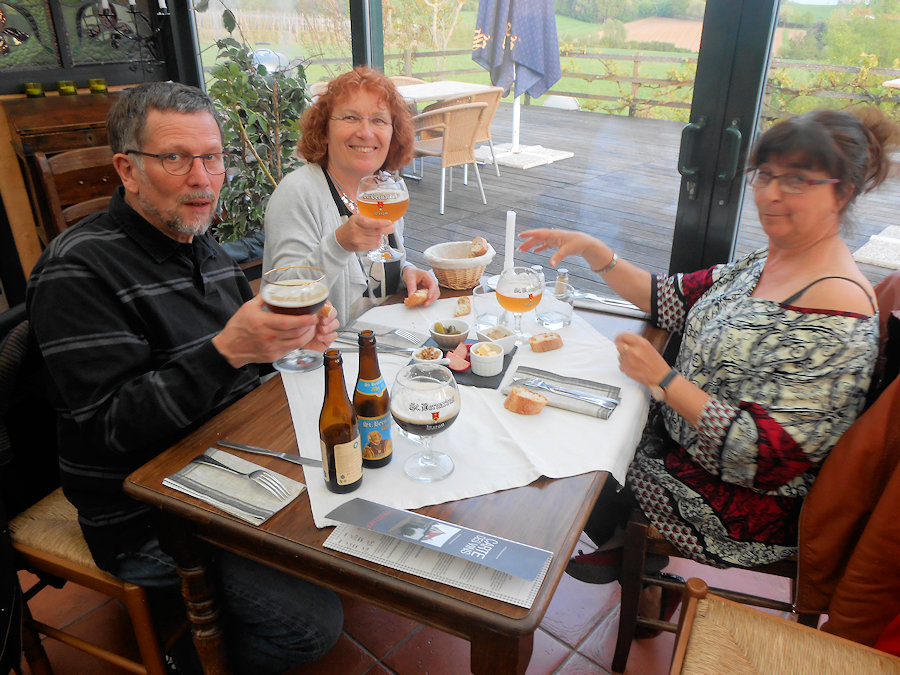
x=229 y=20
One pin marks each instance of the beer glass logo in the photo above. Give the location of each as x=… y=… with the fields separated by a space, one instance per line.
x=435 y=415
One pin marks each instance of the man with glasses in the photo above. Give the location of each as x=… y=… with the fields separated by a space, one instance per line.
x=148 y=329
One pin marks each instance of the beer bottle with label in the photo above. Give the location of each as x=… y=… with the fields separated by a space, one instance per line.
x=338 y=432
x=373 y=405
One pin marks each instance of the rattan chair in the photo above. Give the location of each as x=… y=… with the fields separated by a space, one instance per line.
x=641 y=539
x=75 y=184
x=449 y=133
x=491 y=96
x=402 y=80
x=44 y=532
x=718 y=636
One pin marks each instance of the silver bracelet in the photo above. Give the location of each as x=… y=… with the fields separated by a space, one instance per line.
x=612 y=263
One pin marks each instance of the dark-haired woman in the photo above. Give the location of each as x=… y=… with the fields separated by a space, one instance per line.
x=359 y=126
x=777 y=354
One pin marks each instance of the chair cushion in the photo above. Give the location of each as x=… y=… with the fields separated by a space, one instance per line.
x=432 y=147
x=51 y=526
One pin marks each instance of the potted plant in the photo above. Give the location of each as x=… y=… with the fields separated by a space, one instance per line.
x=260 y=112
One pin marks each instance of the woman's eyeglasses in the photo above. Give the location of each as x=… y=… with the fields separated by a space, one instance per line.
x=356 y=120
x=790 y=183
x=179 y=163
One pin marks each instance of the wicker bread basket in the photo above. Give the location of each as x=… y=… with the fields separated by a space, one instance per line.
x=452 y=266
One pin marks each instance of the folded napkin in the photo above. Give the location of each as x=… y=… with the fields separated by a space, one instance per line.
x=237 y=495
x=567 y=402
x=391 y=339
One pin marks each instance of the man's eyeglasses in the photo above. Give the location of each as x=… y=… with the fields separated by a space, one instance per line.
x=356 y=120
x=790 y=183
x=179 y=163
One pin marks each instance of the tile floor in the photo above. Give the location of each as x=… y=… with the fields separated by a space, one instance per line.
x=576 y=637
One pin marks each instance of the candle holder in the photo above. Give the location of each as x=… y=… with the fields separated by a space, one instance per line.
x=97 y=85
x=66 y=88
x=34 y=89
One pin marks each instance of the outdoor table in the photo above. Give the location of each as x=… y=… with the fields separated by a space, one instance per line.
x=438 y=91
x=548 y=513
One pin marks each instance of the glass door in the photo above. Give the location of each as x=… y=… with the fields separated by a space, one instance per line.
x=836 y=55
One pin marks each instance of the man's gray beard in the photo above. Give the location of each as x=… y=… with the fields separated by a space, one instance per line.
x=174 y=222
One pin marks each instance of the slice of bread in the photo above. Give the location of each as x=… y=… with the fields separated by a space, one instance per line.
x=479 y=247
x=524 y=401
x=417 y=298
x=463 y=306
x=545 y=342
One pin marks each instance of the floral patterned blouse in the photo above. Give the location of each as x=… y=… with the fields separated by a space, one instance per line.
x=785 y=383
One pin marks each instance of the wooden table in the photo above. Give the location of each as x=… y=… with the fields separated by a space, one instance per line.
x=438 y=91
x=547 y=513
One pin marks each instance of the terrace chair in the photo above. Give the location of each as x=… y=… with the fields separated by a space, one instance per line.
x=716 y=635
x=43 y=529
x=75 y=184
x=401 y=80
x=491 y=96
x=449 y=133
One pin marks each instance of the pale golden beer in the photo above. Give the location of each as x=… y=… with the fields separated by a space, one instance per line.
x=383 y=204
x=518 y=304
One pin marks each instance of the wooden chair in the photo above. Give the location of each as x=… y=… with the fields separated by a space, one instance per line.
x=449 y=133
x=491 y=96
x=76 y=183
x=718 y=636
x=641 y=539
x=44 y=532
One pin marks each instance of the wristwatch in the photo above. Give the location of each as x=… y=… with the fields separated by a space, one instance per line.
x=658 y=391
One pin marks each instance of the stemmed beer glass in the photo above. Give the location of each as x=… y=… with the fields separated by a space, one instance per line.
x=383 y=195
x=295 y=289
x=425 y=401
x=519 y=290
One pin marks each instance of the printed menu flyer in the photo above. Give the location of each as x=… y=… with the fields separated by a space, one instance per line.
x=434 y=549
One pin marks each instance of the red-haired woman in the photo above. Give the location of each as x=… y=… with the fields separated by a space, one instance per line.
x=359 y=126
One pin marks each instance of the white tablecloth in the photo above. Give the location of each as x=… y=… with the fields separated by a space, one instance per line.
x=492 y=448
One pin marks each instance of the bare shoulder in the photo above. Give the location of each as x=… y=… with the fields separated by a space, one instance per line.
x=850 y=293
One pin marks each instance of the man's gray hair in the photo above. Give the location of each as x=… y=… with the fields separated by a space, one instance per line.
x=127 y=119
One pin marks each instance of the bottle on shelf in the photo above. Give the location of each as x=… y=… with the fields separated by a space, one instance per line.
x=373 y=405
x=338 y=430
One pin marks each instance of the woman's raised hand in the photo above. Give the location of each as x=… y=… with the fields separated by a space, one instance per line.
x=360 y=233
x=567 y=243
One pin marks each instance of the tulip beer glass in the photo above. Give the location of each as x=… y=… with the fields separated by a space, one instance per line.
x=295 y=289
x=424 y=402
x=383 y=196
x=519 y=290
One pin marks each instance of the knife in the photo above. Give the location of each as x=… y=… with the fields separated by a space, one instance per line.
x=296 y=459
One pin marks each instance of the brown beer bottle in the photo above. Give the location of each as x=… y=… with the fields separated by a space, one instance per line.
x=373 y=405
x=338 y=433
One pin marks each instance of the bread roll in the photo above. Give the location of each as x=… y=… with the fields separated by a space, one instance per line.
x=417 y=298
x=524 y=401
x=545 y=342
x=463 y=306
x=479 y=247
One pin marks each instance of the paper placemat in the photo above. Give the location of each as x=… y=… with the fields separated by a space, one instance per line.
x=492 y=448
x=389 y=338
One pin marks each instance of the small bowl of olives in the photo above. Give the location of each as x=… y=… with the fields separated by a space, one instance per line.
x=449 y=333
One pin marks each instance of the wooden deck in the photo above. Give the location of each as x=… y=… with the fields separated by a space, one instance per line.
x=621 y=186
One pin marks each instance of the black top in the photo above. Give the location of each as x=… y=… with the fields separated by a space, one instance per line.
x=124 y=317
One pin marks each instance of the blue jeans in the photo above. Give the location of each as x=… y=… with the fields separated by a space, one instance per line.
x=273 y=621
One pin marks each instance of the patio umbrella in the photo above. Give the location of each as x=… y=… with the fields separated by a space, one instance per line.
x=515 y=40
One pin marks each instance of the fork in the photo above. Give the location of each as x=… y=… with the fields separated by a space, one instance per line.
x=596 y=399
x=399 y=332
x=259 y=476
